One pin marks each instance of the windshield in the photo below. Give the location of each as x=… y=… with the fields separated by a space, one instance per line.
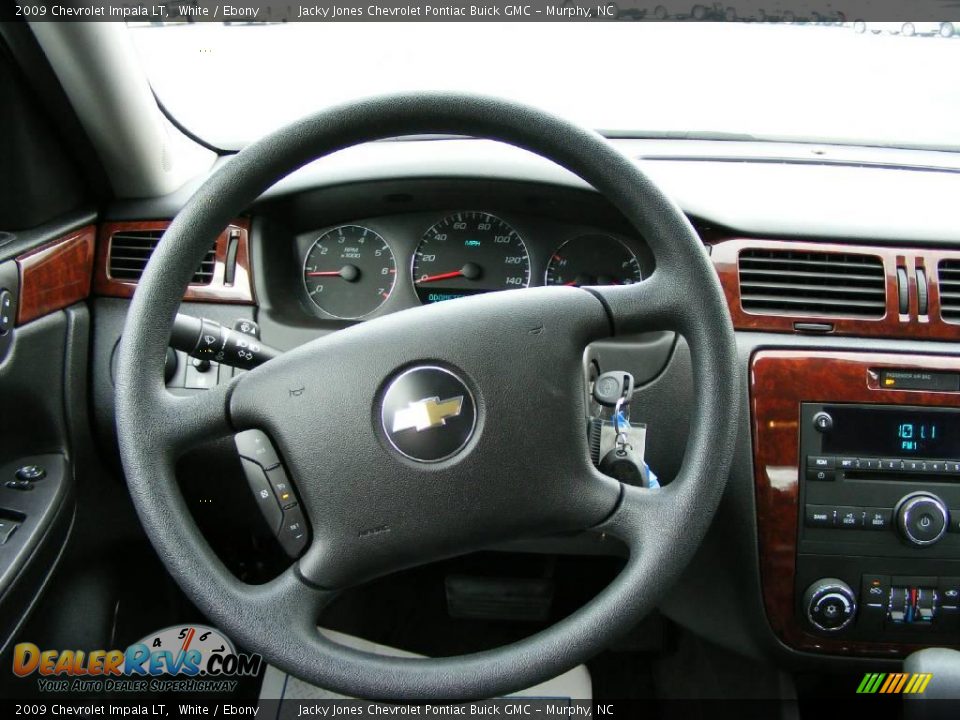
x=839 y=84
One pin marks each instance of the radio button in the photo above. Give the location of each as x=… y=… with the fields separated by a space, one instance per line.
x=891 y=464
x=818 y=475
x=821 y=516
x=915 y=465
x=850 y=517
x=823 y=422
x=877 y=518
x=868 y=464
x=952 y=467
x=936 y=466
x=821 y=462
x=849 y=464
x=922 y=518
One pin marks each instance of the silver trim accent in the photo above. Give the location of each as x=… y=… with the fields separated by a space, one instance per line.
x=908 y=504
x=826 y=590
x=473 y=425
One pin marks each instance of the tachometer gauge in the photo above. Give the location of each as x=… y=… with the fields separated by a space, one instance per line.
x=593 y=260
x=349 y=271
x=469 y=253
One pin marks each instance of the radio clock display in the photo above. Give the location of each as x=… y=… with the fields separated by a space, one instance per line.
x=893 y=432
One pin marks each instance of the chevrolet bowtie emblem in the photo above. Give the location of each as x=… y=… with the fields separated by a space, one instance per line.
x=427 y=413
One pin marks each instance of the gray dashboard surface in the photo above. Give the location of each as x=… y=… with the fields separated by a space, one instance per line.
x=872 y=194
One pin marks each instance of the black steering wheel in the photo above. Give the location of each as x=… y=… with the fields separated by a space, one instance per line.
x=520 y=469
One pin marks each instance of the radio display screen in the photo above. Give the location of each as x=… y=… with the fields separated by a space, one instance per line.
x=893 y=432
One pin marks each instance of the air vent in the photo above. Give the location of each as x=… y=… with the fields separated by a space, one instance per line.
x=792 y=282
x=130 y=250
x=948 y=275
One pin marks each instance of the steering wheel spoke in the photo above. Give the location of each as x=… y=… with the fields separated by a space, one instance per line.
x=187 y=420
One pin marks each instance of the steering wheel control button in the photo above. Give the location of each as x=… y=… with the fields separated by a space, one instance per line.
x=428 y=414
x=282 y=488
x=831 y=605
x=922 y=519
x=31 y=473
x=255 y=445
x=263 y=494
x=293 y=532
x=823 y=422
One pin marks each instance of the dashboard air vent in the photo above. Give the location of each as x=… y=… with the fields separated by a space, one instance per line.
x=130 y=250
x=948 y=277
x=794 y=282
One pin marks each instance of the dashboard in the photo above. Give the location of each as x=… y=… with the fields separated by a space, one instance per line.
x=827 y=304
x=371 y=266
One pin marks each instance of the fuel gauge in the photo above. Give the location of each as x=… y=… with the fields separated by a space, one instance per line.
x=593 y=260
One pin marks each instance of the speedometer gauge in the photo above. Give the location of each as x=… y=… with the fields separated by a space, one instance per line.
x=593 y=260
x=469 y=253
x=349 y=271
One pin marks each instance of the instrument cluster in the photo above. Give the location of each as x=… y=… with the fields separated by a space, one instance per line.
x=356 y=270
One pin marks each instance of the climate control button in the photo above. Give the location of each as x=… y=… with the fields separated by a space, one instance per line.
x=922 y=518
x=831 y=605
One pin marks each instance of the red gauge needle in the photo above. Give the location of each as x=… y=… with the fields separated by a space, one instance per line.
x=441 y=276
x=470 y=271
x=347 y=272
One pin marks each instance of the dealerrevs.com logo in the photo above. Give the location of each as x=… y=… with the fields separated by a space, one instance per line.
x=191 y=658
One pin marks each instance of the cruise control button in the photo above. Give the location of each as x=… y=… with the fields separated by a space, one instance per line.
x=821 y=516
x=281 y=487
x=263 y=494
x=293 y=532
x=255 y=445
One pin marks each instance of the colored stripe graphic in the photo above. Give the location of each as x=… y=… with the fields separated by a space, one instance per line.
x=894 y=683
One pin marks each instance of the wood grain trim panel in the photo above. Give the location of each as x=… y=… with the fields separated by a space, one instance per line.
x=55 y=275
x=240 y=291
x=912 y=325
x=779 y=381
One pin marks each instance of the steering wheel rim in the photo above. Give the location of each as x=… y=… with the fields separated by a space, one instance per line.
x=662 y=528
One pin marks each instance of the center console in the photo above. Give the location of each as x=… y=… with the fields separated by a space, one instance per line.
x=857 y=461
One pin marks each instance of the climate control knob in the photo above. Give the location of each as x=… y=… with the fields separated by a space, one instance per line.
x=922 y=518
x=830 y=604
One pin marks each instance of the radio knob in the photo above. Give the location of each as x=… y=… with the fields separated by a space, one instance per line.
x=922 y=518
x=831 y=604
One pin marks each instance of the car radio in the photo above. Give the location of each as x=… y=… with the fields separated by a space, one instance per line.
x=878 y=551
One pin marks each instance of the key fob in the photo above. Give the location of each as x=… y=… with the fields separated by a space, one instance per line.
x=611 y=386
x=624 y=465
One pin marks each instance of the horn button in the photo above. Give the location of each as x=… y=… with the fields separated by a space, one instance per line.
x=428 y=414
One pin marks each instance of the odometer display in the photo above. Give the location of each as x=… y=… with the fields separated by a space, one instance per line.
x=469 y=253
x=349 y=272
x=593 y=260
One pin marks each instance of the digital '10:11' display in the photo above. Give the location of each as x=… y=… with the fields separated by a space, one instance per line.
x=892 y=432
x=914 y=436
